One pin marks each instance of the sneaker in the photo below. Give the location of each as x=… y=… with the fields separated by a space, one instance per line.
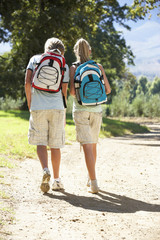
x=88 y=182
x=93 y=187
x=57 y=185
x=45 y=181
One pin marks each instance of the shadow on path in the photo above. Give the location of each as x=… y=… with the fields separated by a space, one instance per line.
x=106 y=202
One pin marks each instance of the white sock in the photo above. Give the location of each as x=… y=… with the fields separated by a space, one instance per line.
x=56 y=179
x=46 y=169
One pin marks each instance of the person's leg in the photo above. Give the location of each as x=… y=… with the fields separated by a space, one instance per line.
x=42 y=155
x=56 y=142
x=84 y=125
x=38 y=135
x=90 y=157
x=89 y=153
x=95 y=151
x=55 y=159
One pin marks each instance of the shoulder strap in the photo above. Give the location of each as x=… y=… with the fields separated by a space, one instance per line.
x=76 y=63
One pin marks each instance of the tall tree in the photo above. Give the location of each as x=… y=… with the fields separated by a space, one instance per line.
x=28 y=23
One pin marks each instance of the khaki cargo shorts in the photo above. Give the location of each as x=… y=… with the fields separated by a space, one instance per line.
x=88 y=126
x=46 y=127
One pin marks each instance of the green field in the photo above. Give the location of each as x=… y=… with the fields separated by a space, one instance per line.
x=14 y=130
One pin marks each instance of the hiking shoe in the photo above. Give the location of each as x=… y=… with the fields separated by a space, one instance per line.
x=93 y=187
x=45 y=181
x=57 y=185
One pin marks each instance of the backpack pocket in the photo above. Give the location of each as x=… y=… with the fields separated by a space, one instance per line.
x=48 y=75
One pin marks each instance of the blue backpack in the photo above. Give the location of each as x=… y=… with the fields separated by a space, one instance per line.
x=89 y=84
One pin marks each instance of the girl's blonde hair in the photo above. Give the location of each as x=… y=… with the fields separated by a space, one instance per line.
x=82 y=50
x=54 y=43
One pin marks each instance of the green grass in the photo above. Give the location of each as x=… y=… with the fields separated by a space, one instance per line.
x=13 y=135
x=14 y=132
x=70 y=131
x=6 y=163
x=112 y=127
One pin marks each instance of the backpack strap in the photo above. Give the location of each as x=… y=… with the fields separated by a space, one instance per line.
x=63 y=69
x=76 y=64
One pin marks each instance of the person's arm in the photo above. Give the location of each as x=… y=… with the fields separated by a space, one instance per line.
x=28 y=86
x=71 y=73
x=106 y=83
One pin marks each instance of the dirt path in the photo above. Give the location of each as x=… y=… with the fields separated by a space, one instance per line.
x=127 y=207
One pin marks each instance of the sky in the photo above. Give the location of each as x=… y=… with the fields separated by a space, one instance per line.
x=144 y=39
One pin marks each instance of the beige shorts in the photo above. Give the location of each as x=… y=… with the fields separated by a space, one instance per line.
x=88 y=126
x=46 y=127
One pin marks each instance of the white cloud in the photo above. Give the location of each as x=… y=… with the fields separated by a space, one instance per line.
x=145 y=44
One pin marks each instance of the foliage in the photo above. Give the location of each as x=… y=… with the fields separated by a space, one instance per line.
x=141 y=100
x=120 y=104
x=152 y=107
x=155 y=86
x=142 y=85
x=32 y=22
x=142 y=8
x=9 y=103
x=27 y=24
x=128 y=83
x=138 y=105
x=11 y=78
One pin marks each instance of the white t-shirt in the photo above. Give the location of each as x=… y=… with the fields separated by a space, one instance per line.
x=41 y=100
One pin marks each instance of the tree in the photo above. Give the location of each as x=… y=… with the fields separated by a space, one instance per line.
x=141 y=8
x=27 y=24
x=30 y=22
x=10 y=78
x=142 y=86
x=155 y=87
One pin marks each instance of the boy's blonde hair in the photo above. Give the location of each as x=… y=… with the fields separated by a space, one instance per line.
x=54 y=43
x=82 y=50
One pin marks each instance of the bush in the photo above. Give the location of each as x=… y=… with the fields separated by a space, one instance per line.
x=152 y=106
x=138 y=105
x=8 y=103
x=120 y=105
x=142 y=106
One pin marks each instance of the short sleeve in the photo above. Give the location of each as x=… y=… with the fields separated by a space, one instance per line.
x=30 y=64
x=66 y=75
x=33 y=62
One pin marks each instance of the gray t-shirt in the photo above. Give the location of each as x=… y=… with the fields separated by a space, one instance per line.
x=41 y=100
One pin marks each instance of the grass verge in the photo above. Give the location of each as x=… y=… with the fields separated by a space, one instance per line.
x=14 y=131
x=114 y=127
